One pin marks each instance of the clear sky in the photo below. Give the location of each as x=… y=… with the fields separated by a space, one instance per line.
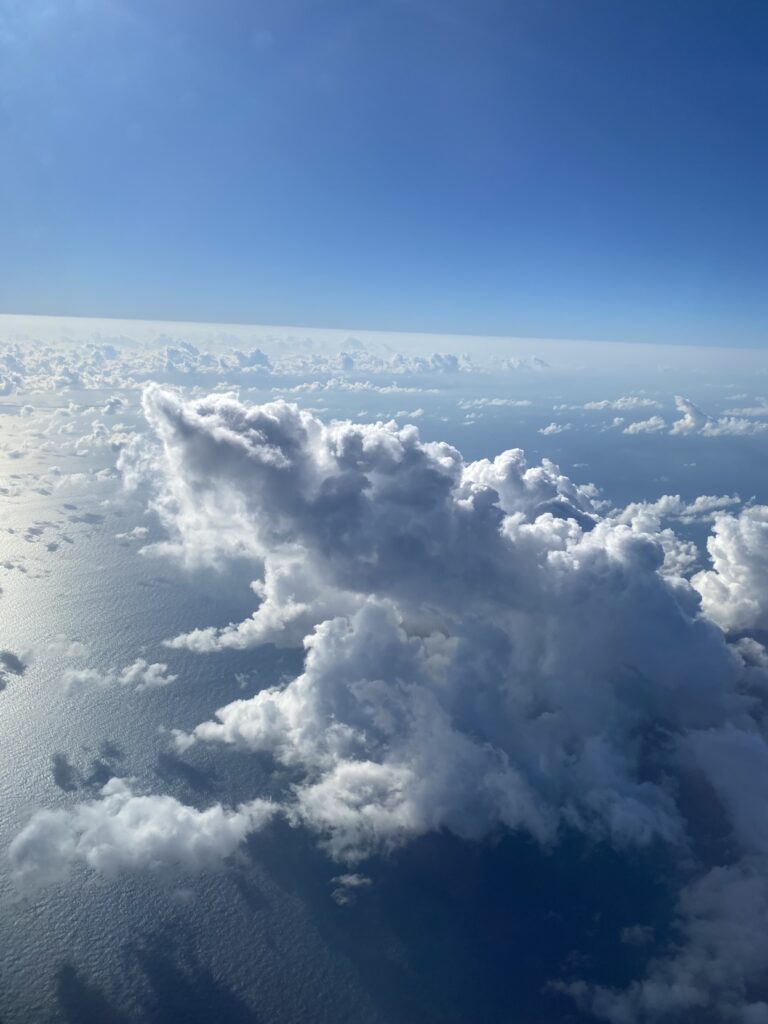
x=574 y=168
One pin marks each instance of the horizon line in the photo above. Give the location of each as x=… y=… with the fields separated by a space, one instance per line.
x=385 y=331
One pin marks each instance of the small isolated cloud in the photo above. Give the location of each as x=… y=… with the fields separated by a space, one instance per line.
x=554 y=428
x=653 y=425
x=122 y=831
x=693 y=419
x=137 y=533
x=63 y=647
x=346 y=887
x=140 y=676
x=113 y=405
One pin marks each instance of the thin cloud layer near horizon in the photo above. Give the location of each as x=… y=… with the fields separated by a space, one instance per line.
x=590 y=170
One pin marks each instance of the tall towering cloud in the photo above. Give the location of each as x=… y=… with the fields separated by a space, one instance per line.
x=735 y=591
x=483 y=649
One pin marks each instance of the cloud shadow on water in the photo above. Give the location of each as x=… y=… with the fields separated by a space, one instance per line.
x=172 y=768
x=83 y=1003
x=452 y=931
x=183 y=990
x=65 y=774
x=176 y=989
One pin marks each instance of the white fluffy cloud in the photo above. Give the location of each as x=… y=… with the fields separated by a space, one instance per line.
x=695 y=421
x=123 y=831
x=400 y=566
x=484 y=648
x=648 y=517
x=140 y=675
x=555 y=428
x=653 y=425
x=735 y=591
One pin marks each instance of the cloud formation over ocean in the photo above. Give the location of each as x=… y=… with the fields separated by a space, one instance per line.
x=485 y=648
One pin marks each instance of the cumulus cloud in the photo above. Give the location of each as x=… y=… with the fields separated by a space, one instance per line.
x=733 y=426
x=123 y=831
x=650 y=426
x=485 y=647
x=692 y=419
x=758 y=410
x=385 y=620
x=554 y=428
x=140 y=675
x=734 y=591
x=695 y=421
x=218 y=359
x=137 y=533
x=649 y=517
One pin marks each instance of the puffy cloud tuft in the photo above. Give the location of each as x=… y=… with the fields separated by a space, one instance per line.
x=121 y=831
x=140 y=675
x=735 y=591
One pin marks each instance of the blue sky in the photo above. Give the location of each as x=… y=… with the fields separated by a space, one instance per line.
x=573 y=169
